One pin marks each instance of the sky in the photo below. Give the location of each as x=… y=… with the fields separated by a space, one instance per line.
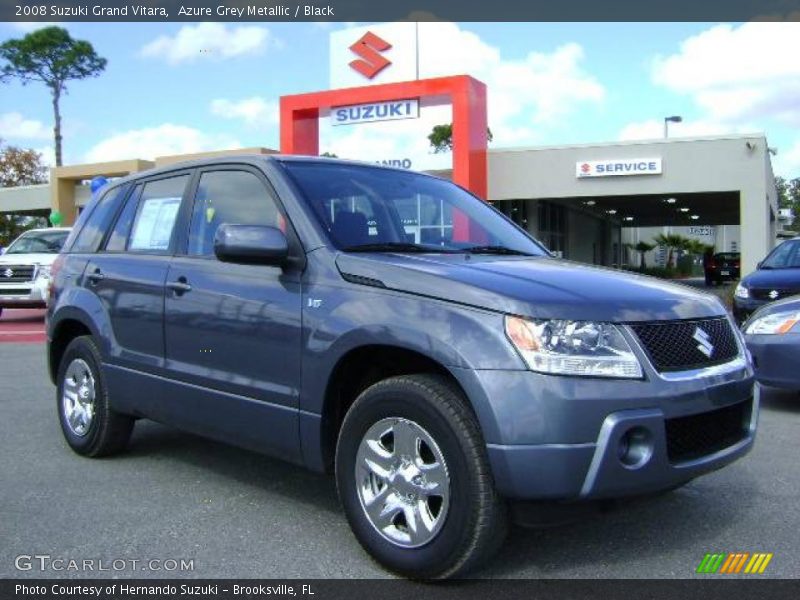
x=174 y=88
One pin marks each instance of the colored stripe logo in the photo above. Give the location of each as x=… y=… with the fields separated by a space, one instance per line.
x=735 y=562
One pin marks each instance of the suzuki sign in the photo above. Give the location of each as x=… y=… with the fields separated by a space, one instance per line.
x=616 y=168
x=379 y=53
x=368 y=48
x=377 y=111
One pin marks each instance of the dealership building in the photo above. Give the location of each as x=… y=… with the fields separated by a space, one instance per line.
x=586 y=202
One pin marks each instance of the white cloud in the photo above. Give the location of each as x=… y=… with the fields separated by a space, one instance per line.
x=654 y=129
x=532 y=91
x=255 y=111
x=13 y=125
x=738 y=72
x=48 y=155
x=161 y=140
x=209 y=40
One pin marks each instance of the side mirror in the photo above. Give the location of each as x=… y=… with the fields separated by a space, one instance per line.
x=2 y=251
x=251 y=244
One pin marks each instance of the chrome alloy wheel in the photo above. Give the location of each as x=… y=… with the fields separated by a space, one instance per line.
x=78 y=397
x=403 y=483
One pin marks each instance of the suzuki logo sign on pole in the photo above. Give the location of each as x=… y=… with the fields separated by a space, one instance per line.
x=369 y=47
x=377 y=111
x=616 y=168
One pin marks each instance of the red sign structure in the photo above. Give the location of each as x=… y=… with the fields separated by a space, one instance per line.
x=300 y=119
x=369 y=48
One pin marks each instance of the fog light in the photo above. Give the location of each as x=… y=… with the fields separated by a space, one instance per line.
x=635 y=447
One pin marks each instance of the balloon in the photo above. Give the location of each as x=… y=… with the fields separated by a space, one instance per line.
x=97 y=183
x=56 y=218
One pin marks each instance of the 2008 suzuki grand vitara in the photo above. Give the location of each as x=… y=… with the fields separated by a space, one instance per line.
x=391 y=327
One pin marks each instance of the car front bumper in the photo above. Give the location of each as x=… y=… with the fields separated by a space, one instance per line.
x=776 y=358
x=25 y=295
x=569 y=438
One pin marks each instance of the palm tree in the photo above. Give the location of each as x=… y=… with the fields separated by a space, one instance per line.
x=643 y=248
x=671 y=242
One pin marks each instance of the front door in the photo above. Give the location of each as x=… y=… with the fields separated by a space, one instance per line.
x=232 y=331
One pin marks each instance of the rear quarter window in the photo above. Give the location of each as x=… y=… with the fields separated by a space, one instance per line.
x=91 y=233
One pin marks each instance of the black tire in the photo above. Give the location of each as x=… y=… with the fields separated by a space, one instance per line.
x=475 y=523
x=107 y=431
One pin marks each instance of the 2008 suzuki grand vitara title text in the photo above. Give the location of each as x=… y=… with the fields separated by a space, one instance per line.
x=392 y=328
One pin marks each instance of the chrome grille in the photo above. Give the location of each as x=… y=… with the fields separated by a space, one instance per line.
x=766 y=293
x=16 y=273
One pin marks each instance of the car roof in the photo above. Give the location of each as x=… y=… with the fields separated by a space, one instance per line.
x=255 y=159
x=38 y=229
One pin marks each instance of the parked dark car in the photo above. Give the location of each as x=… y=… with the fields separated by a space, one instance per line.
x=772 y=334
x=392 y=328
x=777 y=277
x=722 y=266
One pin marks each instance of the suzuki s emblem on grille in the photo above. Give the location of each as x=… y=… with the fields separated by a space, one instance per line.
x=703 y=342
x=774 y=294
x=8 y=273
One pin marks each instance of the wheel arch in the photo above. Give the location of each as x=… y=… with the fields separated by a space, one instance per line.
x=361 y=367
x=69 y=324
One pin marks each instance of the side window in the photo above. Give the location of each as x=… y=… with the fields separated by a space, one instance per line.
x=156 y=214
x=119 y=235
x=91 y=234
x=234 y=197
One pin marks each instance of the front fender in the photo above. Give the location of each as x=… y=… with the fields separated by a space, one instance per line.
x=453 y=335
x=340 y=319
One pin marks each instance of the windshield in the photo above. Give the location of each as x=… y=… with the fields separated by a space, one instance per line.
x=785 y=256
x=38 y=242
x=369 y=209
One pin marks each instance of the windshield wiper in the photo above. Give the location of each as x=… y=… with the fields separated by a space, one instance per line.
x=394 y=247
x=494 y=250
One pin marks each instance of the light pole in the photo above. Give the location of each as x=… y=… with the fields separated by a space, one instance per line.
x=668 y=120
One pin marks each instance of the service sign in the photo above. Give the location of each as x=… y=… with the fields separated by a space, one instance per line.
x=619 y=167
x=376 y=111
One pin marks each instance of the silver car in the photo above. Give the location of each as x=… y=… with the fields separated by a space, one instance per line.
x=25 y=268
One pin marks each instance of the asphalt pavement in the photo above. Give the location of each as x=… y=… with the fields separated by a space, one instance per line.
x=235 y=514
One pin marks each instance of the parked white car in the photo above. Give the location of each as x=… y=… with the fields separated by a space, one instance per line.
x=25 y=267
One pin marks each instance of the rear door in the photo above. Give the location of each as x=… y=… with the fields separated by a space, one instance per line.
x=233 y=330
x=128 y=275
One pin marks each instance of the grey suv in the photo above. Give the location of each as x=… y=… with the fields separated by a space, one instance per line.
x=392 y=328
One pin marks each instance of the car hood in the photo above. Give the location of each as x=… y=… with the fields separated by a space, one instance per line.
x=773 y=278
x=28 y=259
x=532 y=286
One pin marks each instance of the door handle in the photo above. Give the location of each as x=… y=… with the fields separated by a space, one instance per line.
x=95 y=276
x=180 y=287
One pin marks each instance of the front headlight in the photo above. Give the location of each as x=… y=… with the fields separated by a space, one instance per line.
x=43 y=272
x=741 y=292
x=573 y=348
x=776 y=323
